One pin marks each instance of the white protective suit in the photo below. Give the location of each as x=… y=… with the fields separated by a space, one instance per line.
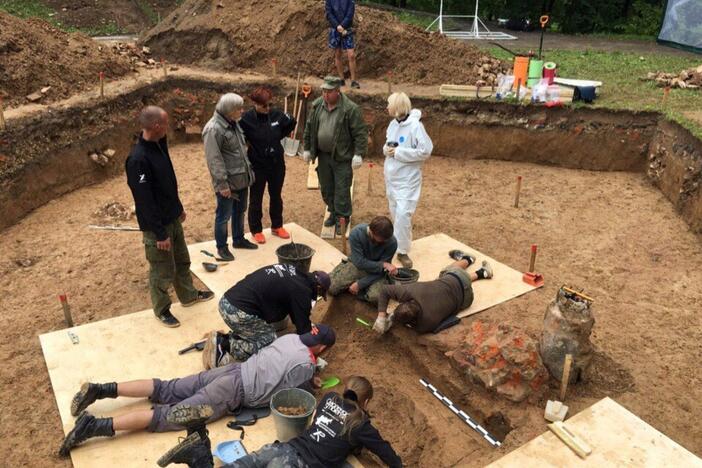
x=403 y=173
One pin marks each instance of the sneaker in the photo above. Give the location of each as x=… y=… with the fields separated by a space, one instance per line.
x=214 y=350
x=259 y=238
x=281 y=232
x=245 y=244
x=461 y=255
x=168 y=319
x=354 y=84
x=405 y=260
x=487 y=268
x=192 y=451
x=202 y=296
x=330 y=221
x=225 y=254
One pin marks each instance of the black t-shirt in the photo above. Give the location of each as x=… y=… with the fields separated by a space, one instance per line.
x=274 y=292
x=323 y=446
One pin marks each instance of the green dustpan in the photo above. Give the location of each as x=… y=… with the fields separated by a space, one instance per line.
x=330 y=382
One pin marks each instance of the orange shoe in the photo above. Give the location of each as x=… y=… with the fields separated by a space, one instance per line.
x=281 y=232
x=259 y=238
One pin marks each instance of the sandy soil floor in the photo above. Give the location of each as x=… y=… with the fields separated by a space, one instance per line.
x=610 y=233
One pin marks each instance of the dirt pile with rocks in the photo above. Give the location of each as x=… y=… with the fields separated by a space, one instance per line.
x=236 y=34
x=36 y=56
x=686 y=79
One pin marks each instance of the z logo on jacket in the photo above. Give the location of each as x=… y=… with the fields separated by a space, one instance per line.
x=142 y=178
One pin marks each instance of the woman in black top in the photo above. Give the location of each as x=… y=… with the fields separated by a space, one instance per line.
x=340 y=426
x=264 y=128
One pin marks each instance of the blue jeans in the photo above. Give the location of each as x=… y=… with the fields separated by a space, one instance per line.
x=230 y=208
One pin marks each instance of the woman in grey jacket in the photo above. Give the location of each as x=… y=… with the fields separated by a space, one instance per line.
x=231 y=171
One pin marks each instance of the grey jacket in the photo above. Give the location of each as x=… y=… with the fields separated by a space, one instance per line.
x=225 y=151
x=285 y=363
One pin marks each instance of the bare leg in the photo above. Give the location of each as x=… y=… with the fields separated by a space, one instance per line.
x=352 y=63
x=136 y=388
x=463 y=264
x=339 y=64
x=474 y=276
x=134 y=421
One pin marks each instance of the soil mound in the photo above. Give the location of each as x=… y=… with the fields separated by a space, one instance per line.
x=235 y=34
x=35 y=55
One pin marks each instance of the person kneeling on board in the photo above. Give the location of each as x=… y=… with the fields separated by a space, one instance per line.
x=364 y=273
x=288 y=362
x=340 y=426
x=426 y=304
x=253 y=306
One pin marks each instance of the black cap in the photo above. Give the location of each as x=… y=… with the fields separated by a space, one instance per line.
x=319 y=335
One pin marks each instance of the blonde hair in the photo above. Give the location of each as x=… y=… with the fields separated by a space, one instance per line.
x=357 y=392
x=399 y=105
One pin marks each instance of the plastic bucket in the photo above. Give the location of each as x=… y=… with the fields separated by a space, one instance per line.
x=535 y=71
x=288 y=426
x=298 y=255
x=521 y=66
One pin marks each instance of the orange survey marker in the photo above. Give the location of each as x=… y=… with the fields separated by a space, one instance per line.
x=531 y=277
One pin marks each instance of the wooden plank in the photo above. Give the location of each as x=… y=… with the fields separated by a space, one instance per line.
x=617 y=437
x=576 y=444
x=469 y=92
x=312 y=179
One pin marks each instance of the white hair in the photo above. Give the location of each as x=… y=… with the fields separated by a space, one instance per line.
x=399 y=105
x=229 y=102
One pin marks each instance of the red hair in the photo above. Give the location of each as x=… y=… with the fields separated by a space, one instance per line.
x=261 y=95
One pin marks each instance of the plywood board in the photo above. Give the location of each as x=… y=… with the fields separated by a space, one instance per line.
x=430 y=256
x=617 y=437
x=326 y=257
x=312 y=179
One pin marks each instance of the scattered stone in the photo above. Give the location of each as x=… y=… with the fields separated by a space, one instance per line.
x=34 y=97
x=45 y=89
x=567 y=325
x=99 y=159
x=114 y=211
x=146 y=50
x=686 y=79
x=109 y=152
x=501 y=358
x=193 y=130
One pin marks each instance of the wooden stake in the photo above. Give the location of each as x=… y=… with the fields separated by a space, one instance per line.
x=274 y=63
x=532 y=260
x=3 y=124
x=102 y=84
x=370 y=177
x=285 y=109
x=389 y=83
x=297 y=92
x=566 y=375
x=519 y=85
x=66 y=310
x=163 y=66
x=342 y=222
x=517 y=190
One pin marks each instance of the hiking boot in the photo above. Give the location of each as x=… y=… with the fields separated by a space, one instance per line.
x=281 y=232
x=87 y=426
x=202 y=296
x=330 y=221
x=487 y=268
x=343 y=82
x=189 y=416
x=260 y=238
x=225 y=254
x=192 y=451
x=245 y=244
x=338 y=225
x=354 y=84
x=89 y=393
x=405 y=260
x=168 y=319
x=461 y=255
x=216 y=349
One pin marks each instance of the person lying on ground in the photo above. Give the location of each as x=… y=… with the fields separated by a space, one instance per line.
x=251 y=307
x=340 y=426
x=424 y=305
x=363 y=274
x=288 y=362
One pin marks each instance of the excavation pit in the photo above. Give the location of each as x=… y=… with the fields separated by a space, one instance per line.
x=609 y=197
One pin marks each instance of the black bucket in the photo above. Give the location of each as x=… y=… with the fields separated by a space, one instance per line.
x=298 y=255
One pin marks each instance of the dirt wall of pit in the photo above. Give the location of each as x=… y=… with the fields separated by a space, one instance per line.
x=47 y=155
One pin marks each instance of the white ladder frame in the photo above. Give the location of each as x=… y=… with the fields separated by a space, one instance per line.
x=478 y=30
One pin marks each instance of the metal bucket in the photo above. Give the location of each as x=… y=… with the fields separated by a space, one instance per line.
x=405 y=276
x=298 y=255
x=287 y=426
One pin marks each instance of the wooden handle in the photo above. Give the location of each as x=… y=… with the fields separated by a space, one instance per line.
x=517 y=190
x=566 y=375
x=532 y=260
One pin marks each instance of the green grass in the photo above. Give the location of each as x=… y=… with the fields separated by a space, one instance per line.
x=37 y=9
x=622 y=88
x=421 y=21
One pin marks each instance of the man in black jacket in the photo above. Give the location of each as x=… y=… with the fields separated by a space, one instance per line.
x=153 y=183
x=264 y=127
x=251 y=306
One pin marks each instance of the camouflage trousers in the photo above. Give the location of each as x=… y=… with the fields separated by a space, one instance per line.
x=346 y=273
x=275 y=455
x=249 y=334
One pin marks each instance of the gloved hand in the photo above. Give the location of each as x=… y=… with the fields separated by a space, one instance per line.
x=381 y=324
x=306 y=156
x=387 y=152
x=321 y=364
x=356 y=162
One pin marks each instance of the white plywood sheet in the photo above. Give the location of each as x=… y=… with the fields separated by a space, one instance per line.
x=430 y=256
x=617 y=438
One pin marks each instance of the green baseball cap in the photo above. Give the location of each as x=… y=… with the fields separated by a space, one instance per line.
x=331 y=82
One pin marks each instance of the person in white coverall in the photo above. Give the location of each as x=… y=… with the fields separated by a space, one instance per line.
x=407 y=146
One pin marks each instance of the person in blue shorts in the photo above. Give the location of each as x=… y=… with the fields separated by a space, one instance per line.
x=341 y=35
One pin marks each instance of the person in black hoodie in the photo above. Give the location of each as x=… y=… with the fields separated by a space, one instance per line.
x=339 y=427
x=264 y=128
x=160 y=214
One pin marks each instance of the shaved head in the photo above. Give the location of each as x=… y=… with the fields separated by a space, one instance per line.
x=150 y=116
